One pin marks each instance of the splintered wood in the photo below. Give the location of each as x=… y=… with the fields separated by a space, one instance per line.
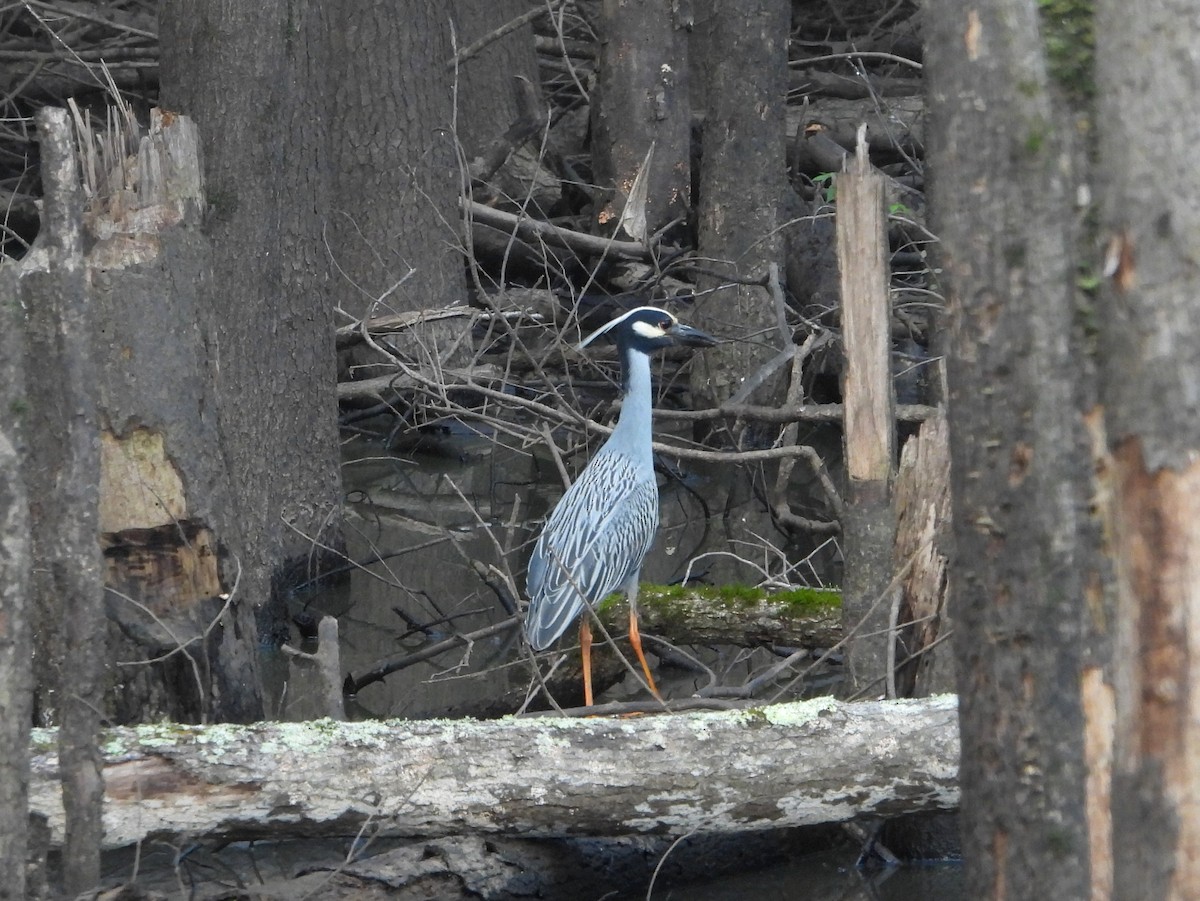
x=869 y=520
x=866 y=318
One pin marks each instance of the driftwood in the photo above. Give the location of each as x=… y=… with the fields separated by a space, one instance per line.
x=535 y=230
x=768 y=768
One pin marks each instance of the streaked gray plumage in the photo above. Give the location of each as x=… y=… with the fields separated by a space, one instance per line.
x=595 y=540
x=594 y=543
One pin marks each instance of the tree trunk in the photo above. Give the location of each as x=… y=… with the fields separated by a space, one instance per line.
x=1150 y=363
x=641 y=116
x=770 y=768
x=1004 y=203
x=253 y=77
x=486 y=105
x=16 y=671
x=742 y=181
x=66 y=460
x=395 y=174
x=166 y=519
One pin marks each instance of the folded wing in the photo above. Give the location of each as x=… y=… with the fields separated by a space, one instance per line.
x=593 y=543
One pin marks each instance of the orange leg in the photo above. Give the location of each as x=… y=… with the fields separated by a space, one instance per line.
x=585 y=651
x=635 y=639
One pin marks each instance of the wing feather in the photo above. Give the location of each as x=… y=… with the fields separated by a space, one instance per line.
x=593 y=543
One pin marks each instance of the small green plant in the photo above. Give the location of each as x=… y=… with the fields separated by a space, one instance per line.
x=1088 y=280
x=827 y=186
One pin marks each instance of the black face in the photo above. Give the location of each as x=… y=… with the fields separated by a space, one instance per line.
x=648 y=328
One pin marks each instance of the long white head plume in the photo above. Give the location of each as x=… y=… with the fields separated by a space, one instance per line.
x=610 y=324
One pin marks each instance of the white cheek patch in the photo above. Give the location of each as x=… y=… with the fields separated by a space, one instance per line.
x=646 y=330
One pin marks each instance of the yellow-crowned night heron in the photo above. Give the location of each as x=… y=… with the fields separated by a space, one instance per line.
x=597 y=537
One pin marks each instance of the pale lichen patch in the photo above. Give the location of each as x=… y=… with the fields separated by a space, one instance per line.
x=797 y=712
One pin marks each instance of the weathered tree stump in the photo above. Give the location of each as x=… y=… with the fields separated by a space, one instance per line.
x=869 y=522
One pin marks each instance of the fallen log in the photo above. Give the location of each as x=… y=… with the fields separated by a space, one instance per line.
x=535 y=231
x=764 y=768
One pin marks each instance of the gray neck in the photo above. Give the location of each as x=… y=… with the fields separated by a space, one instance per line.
x=633 y=425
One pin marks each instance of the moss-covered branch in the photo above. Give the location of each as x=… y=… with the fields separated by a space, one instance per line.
x=732 y=614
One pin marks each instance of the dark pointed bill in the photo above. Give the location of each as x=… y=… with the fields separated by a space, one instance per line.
x=691 y=337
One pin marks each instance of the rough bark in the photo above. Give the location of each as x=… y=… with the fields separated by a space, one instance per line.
x=726 y=772
x=166 y=520
x=486 y=106
x=1150 y=365
x=1003 y=198
x=395 y=175
x=869 y=519
x=742 y=181
x=641 y=115
x=67 y=516
x=265 y=318
x=16 y=672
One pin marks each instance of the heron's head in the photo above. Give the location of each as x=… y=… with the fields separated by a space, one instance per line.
x=647 y=329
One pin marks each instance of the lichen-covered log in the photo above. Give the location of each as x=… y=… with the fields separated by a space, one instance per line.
x=773 y=767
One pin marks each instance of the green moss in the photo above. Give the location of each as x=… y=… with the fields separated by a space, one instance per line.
x=1028 y=87
x=1069 y=38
